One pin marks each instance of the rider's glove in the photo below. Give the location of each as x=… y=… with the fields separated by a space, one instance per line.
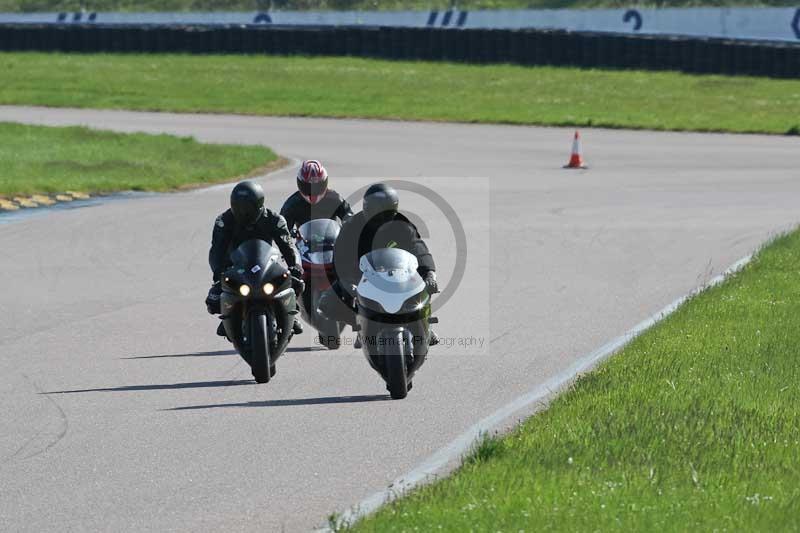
x=430 y=282
x=212 y=300
x=297 y=280
x=299 y=286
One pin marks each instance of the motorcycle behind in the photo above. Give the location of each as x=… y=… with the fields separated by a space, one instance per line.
x=393 y=316
x=258 y=306
x=315 y=244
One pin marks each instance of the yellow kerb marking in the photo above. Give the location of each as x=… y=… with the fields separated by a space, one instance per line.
x=78 y=195
x=44 y=200
x=63 y=198
x=5 y=205
x=25 y=202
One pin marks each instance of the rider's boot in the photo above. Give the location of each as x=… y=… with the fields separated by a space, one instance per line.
x=297 y=328
x=434 y=340
x=357 y=343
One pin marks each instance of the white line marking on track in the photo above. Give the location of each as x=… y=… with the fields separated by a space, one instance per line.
x=429 y=468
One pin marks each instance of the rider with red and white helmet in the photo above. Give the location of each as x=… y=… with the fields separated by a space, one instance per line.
x=313 y=198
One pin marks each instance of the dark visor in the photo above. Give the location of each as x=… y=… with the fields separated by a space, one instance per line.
x=313 y=189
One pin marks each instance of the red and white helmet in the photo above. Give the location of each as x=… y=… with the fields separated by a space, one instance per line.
x=312 y=181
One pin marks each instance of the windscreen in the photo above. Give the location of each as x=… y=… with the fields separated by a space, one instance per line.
x=251 y=253
x=391 y=260
x=320 y=234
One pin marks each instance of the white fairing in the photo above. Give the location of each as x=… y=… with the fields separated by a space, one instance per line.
x=390 y=286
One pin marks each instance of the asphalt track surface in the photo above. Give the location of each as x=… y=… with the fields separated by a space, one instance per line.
x=123 y=411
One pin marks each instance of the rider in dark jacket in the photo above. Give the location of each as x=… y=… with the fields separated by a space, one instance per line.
x=313 y=198
x=247 y=219
x=379 y=225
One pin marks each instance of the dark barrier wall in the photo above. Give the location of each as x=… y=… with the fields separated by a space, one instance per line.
x=524 y=47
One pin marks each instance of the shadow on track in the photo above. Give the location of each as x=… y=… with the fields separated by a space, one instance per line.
x=217 y=353
x=196 y=354
x=291 y=402
x=163 y=386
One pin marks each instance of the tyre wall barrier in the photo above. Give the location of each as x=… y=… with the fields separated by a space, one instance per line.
x=522 y=47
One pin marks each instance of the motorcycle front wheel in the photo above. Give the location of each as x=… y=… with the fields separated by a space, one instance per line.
x=395 y=361
x=260 y=360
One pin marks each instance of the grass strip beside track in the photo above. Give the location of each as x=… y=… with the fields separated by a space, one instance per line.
x=694 y=426
x=38 y=159
x=354 y=87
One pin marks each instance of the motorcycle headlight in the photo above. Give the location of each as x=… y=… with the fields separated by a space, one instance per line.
x=269 y=288
x=244 y=290
x=415 y=303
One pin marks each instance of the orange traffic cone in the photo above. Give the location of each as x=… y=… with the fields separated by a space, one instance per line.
x=575 y=160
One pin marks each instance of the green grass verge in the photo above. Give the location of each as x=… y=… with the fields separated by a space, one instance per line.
x=38 y=159
x=694 y=426
x=348 y=87
x=260 y=5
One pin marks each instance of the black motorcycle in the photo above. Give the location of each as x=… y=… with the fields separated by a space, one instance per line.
x=258 y=305
x=315 y=244
x=393 y=316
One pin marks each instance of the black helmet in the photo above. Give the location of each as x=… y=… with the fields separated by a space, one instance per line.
x=380 y=199
x=247 y=202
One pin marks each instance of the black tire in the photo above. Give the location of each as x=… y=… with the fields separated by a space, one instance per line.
x=260 y=359
x=395 y=360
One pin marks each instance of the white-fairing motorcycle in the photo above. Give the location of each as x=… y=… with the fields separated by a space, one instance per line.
x=393 y=316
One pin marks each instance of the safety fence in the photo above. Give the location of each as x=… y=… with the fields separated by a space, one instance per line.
x=524 y=47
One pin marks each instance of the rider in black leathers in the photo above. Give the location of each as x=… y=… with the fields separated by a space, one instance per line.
x=313 y=198
x=248 y=219
x=379 y=225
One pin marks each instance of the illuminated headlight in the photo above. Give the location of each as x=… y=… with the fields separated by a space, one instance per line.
x=416 y=303
x=244 y=290
x=269 y=288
